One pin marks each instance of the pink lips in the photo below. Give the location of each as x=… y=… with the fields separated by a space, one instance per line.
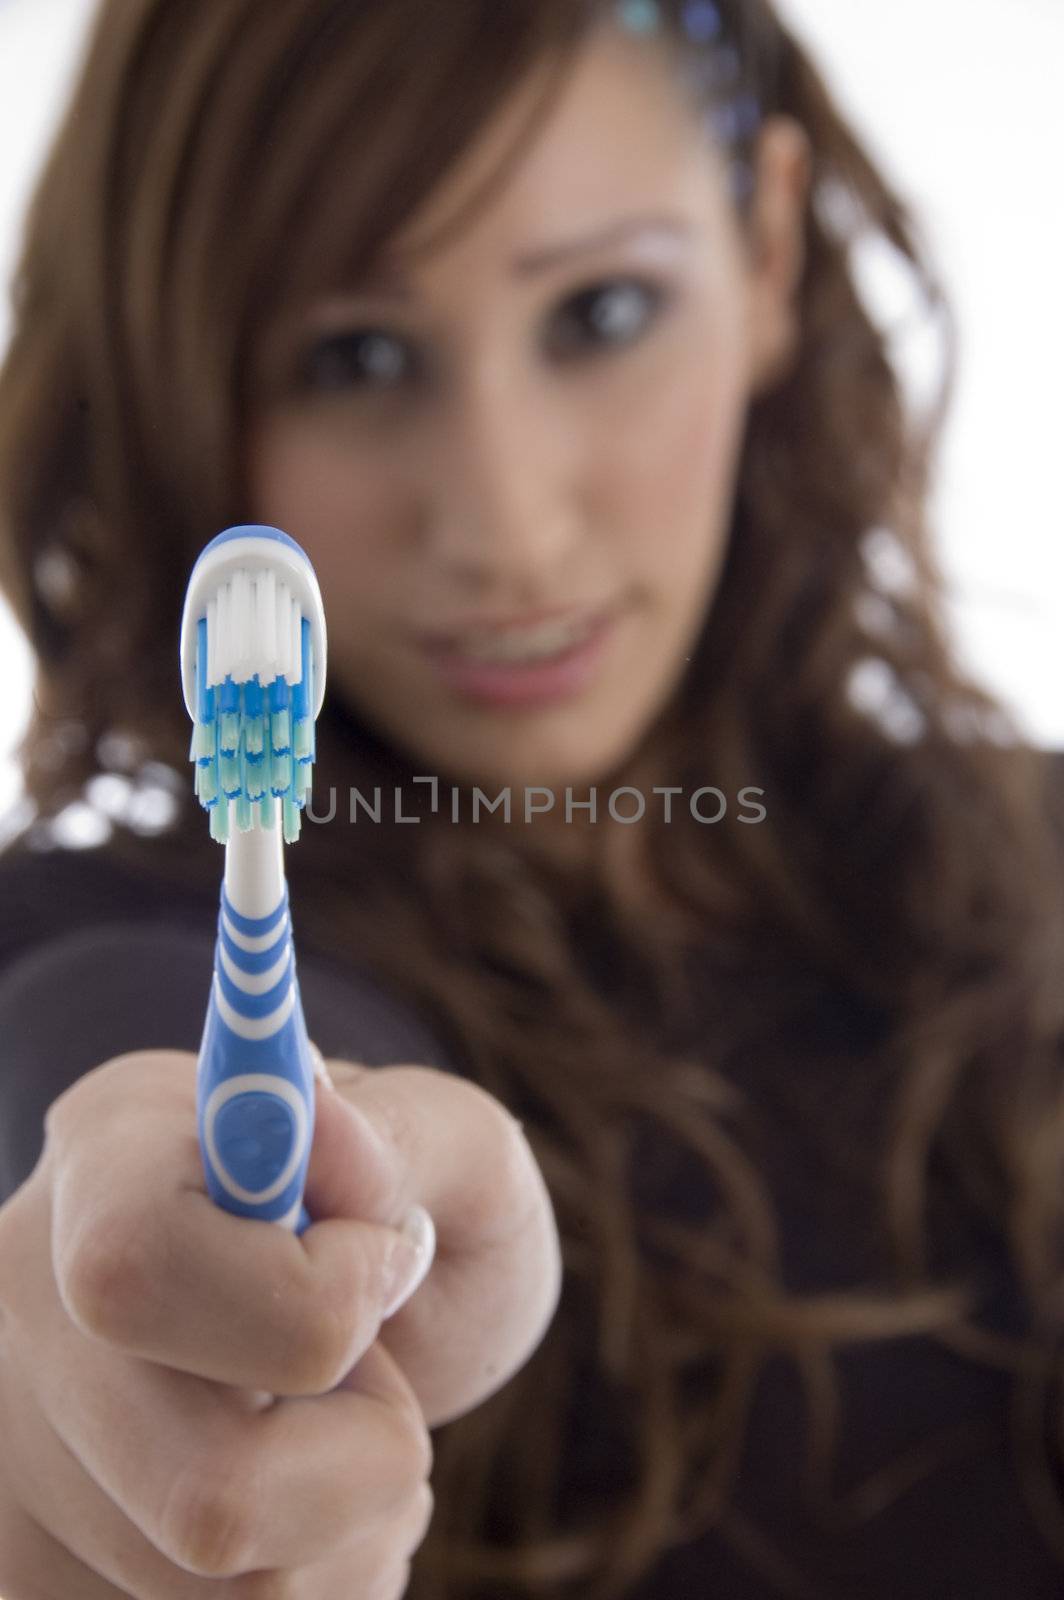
x=507 y=683
x=441 y=638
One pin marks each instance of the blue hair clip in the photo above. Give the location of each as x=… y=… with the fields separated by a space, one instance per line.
x=639 y=16
x=702 y=21
x=717 y=71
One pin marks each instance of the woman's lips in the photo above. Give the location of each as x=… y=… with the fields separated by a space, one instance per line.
x=473 y=627
x=523 y=683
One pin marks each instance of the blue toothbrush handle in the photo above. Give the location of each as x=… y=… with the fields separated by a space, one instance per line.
x=255 y=1078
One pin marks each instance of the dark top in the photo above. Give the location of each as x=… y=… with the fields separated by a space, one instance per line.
x=95 y=961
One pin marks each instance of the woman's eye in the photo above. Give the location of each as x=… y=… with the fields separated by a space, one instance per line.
x=352 y=359
x=599 y=319
x=612 y=314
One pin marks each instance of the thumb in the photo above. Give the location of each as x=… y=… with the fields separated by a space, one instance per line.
x=355 y=1170
x=354 y=1175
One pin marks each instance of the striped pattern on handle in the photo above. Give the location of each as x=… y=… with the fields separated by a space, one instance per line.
x=255 y=1079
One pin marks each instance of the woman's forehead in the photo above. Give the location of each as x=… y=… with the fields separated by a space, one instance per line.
x=618 y=156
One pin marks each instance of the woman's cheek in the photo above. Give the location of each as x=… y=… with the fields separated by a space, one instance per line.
x=673 y=478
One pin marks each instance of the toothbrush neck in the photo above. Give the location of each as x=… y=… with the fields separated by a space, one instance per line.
x=254 y=868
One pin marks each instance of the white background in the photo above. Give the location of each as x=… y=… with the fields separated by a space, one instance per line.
x=960 y=100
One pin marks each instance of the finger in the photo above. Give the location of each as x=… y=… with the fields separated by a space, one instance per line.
x=377 y=1565
x=69 y=1535
x=220 y=1491
x=146 y=1261
x=443 y=1142
x=496 y=1279
x=33 y=1555
x=71 y=1532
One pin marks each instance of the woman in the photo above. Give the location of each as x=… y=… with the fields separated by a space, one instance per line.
x=536 y=325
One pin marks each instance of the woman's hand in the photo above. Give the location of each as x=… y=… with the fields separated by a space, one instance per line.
x=140 y=1325
x=496 y=1276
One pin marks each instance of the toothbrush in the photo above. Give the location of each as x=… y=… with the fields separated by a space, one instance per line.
x=253 y=675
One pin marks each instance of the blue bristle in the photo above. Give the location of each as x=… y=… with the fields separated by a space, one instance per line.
x=229 y=720
x=253 y=743
x=254 y=736
x=253 y=780
x=204 y=696
x=301 y=690
x=280 y=717
x=303 y=703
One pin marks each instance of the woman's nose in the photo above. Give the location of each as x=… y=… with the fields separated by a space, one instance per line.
x=502 y=502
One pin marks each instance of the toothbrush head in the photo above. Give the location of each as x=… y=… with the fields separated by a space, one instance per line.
x=253 y=674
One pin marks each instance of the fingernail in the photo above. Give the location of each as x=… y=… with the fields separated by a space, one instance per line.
x=321 y=1071
x=411 y=1259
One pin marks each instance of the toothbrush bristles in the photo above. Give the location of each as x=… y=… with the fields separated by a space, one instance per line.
x=253 y=738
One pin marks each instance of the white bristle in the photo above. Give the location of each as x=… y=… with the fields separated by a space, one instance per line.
x=254 y=596
x=229 y=631
x=212 y=642
x=262 y=659
x=283 y=628
x=258 y=624
x=241 y=606
x=254 y=625
x=296 y=669
x=225 y=630
x=268 y=603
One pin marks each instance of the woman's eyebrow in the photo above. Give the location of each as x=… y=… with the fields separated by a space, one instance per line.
x=613 y=233
x=389 y=279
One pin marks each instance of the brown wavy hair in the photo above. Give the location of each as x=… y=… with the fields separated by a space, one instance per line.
x=909 y=868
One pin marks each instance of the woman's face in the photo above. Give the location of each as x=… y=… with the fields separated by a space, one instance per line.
x=543 y=417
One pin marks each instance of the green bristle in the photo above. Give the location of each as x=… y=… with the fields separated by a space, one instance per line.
x=290 y=813
x=281 y=771
x=253 y=780
x=281 y=730
x=249 y=757
x=229 y=733
x=228 y=773
x=207 y=782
